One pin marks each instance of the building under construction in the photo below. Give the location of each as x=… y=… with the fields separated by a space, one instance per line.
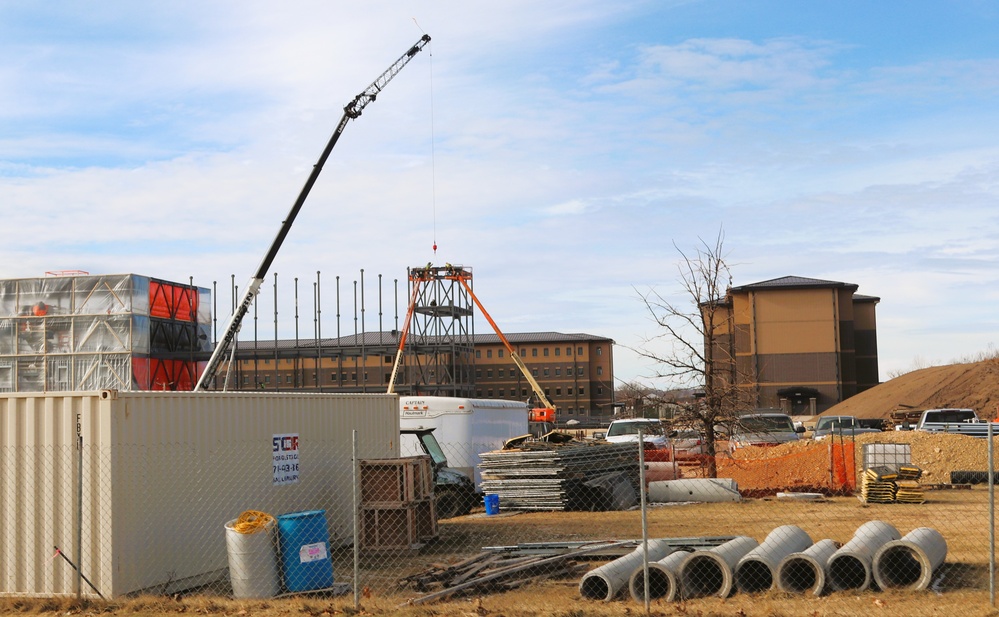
x=441 y=353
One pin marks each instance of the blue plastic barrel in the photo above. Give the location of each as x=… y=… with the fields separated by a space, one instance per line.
x=492 y=504
x=305 y=550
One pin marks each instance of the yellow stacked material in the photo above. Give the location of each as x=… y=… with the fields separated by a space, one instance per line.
x=875 y=489
x=909 y=472
x=909 y=491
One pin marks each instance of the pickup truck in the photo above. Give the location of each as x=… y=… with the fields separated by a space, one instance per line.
x=840 y=426
x=958 y=421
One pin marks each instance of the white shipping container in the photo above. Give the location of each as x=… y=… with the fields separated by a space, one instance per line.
x=465 y=427
x=161 y=474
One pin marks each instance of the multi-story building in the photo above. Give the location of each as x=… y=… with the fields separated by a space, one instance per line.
x=576 y=371
x=797 y=343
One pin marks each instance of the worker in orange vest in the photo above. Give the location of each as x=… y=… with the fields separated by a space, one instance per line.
x=40 y=309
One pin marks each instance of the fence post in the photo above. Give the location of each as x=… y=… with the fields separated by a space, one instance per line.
x=357 y=521
x=79 y=507
x=992 y=523
x=645 y=518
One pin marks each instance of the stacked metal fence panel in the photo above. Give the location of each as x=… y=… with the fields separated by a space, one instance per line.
x=122 y=332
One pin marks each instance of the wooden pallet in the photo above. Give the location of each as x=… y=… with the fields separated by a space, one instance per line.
x=396 y=481
x=399 y=527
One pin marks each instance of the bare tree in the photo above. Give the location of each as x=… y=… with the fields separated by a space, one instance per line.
x=699 y=344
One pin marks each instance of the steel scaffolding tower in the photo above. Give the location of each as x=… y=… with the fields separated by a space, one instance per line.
x=438 y=359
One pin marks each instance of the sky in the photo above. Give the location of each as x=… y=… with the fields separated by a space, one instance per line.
x=565 y=151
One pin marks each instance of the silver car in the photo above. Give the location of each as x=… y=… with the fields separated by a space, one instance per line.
x=764 y=430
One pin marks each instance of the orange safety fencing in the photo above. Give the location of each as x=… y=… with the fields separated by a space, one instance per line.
x=823 y=467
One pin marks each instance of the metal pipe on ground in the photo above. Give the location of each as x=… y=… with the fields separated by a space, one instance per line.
x=909 y=563
x=757 y=569
x=663 y=583
x=805 y=572
x=708 y=490
x=605 y=582
x=849 y=568
x=709 y=572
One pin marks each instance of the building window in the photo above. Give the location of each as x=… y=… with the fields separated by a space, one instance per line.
x=502 y=392
x=558 y=350
x=580 y=392
x=579 y=351
x=523 y=391
x=489 y=353
x=267 y=378
x=568 y=351
x=287 y=378
x=267 y=361
x=500 y=353
x=478 y=373
x=600 y=370
x=534 y=352
x=389 y=360
x=353 y=375
x=558 y=391
x=599 y=390
x=388 y=377
x=548 y=391
x=365 y=375
x=600 y=350
x=489 y=374
x=523 y=351
x=579 y=371
x=246 y=380
x=489 y=393
x=545 y=350
x=343 y=376
x=534 y=372
x=546 y=371
x=558 y=372
x=478 y=353
x=568 y=391
x=478 y=393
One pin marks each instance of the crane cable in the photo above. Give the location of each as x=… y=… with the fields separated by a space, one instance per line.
x=433 y=152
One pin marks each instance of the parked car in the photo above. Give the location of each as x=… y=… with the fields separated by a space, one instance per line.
x=657 y=444
x=688 y=446
x=847 y=426
x=764 y=430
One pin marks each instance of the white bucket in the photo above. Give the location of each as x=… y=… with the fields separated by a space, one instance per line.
x=253 y=566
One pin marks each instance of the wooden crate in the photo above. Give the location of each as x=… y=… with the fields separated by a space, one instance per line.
x=396 y=481
x=398 y=527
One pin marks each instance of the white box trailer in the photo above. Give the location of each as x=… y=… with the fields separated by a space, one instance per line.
x=143 y=504
x=465 y=427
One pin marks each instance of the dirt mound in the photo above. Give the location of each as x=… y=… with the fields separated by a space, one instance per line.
x=974 y=386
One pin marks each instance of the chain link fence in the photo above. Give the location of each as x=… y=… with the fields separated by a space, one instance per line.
x=822 y=517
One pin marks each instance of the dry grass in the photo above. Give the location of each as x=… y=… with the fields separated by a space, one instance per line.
x=961 y=516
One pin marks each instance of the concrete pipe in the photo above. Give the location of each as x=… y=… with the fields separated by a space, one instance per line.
x=709 y=572
x=663 y=583
x=909 y=563
x=849 y=568
x=605 y=582
x=709 y=490
x=757 y=570
x=805 y=572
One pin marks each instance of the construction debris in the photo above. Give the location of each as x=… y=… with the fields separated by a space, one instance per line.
x=572 y=476
x=498 y=571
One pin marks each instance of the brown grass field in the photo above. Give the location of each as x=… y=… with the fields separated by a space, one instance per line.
x=960 y=515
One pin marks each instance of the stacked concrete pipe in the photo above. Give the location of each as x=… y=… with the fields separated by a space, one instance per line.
x=663 y=583
x=709 y=572
x=849 y=568
x=805 y=572
x=605 y=582
x=909 y=563
x=757 y=570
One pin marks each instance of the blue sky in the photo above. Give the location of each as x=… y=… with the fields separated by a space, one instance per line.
x=560 y=149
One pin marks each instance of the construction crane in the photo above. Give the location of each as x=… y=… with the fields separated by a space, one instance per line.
x=351 y=111
x=545 y=413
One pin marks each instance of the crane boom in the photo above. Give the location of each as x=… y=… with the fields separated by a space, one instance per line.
x=352 y=110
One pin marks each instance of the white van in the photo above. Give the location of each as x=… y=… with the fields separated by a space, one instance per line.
x=464 y=427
